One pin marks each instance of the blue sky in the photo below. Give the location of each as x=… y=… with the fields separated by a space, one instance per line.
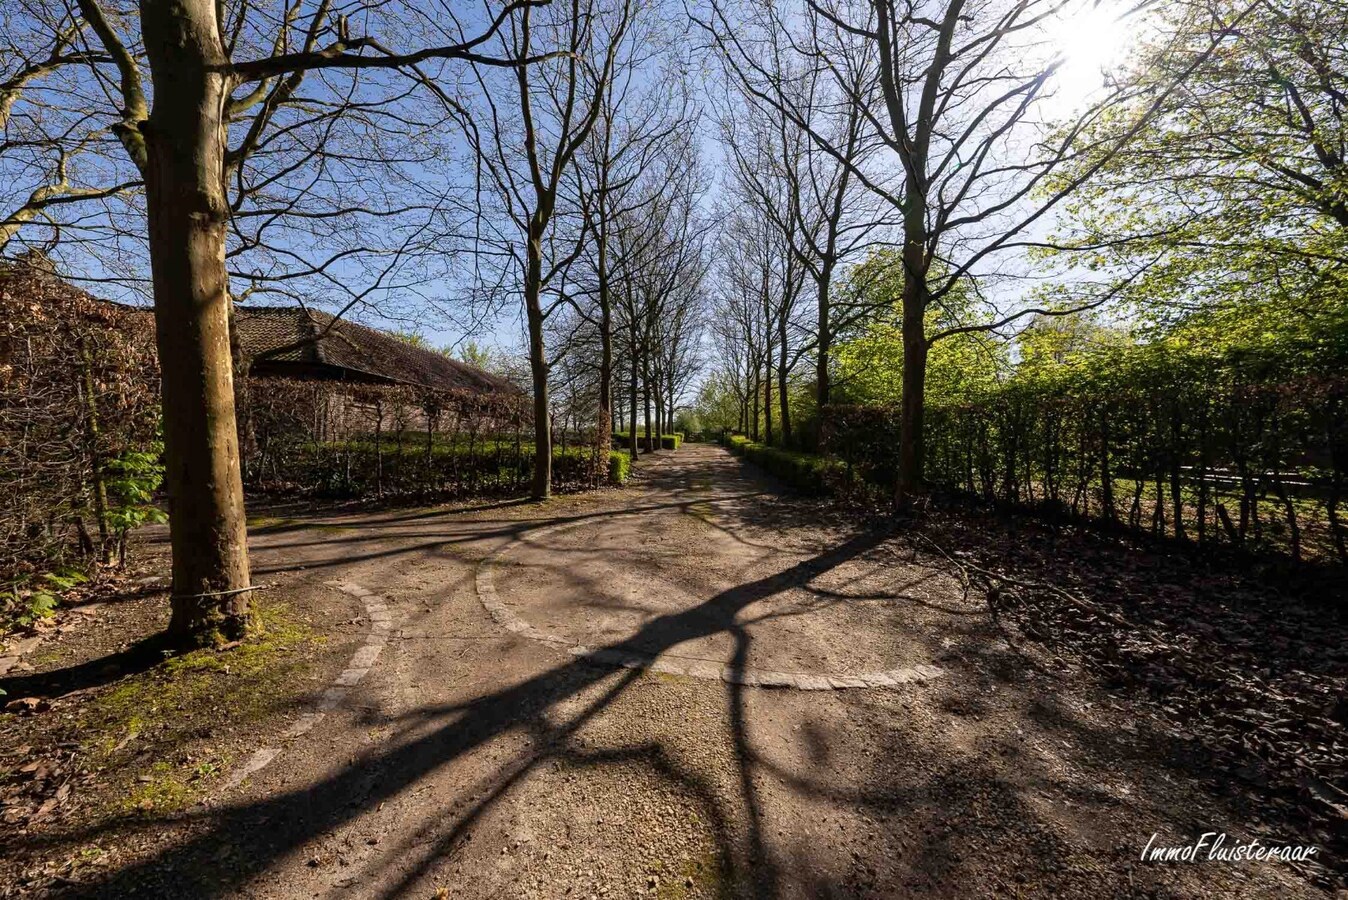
x=429 y=162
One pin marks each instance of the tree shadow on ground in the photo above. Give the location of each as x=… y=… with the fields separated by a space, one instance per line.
x=141 y=656
x=927 y=798
x=267 y=829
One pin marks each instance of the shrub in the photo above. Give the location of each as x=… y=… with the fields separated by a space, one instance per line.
x=621 y=439
x=670 y=441
x=805 y=472
x=619 y=467
x=333 y=440
x=488 y=466
x=864 y=437
x=1245 y=449
x=735 y=443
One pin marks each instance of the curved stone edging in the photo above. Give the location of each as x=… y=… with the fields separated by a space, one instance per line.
x=693 y=667
x=381 y=622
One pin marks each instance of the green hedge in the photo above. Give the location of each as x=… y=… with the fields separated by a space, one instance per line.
x=671 y=441
x=735 y=442
x=1246 y=449
x=359 y=468
x=805 y=472
x=619 y=467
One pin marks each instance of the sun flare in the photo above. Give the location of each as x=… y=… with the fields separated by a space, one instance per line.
x=1091 y=40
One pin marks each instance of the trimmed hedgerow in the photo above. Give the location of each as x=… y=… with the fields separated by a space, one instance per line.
x=805 y=472
x=493 y=466
x=619 y=467
x=735 y=443
x=670 y=441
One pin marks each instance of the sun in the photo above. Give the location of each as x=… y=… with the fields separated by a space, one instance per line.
x=1090 y=38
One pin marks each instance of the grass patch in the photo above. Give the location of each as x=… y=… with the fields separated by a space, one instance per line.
x=265 y=522
x=157 y=733
x=162 y=790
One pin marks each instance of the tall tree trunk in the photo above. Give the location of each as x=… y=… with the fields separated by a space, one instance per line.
x=753 y=407
x=822 y=385
x=632 y=390
x=96 y=462
x=659 y=416
x=541 y=488
x=605 y=333
x=911 y=440
x=783 y=397
x=188 y=214
x=767 y=395
x=646 y=399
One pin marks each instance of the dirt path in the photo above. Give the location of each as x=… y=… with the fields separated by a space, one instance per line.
x=603 y=726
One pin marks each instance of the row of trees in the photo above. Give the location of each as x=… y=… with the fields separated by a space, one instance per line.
x=352 y=156
x=890 y=167
x=921 y=198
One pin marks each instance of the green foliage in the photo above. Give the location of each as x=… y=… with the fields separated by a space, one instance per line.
x=488 y=360
x=41 y=605
x=1224 y=429
x=412 y=338
x=1051 y=341
x=619 y=467
x=717 y=407
x=1231 y=195
x=66 y=579
x=735 y=442
x=806 y=472
x=131 y=478
x=670 y=441
x=869 y=357
x=687 y=421
x=22 y=604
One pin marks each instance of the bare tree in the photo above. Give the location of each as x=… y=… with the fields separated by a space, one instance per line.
x=762 y=152
x=54 y=153
x=810 y=195
x=678 y=346
x=961 y=112
x=661 y=259
x=643 y=107
x=656 y=248
x=744 y=277
x=1239 y=187
x=178 y=142
x=527 y=143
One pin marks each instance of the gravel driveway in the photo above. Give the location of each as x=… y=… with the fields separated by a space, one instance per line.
x=607 y=730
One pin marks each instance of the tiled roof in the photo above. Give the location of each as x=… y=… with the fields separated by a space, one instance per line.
x=344 y=348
